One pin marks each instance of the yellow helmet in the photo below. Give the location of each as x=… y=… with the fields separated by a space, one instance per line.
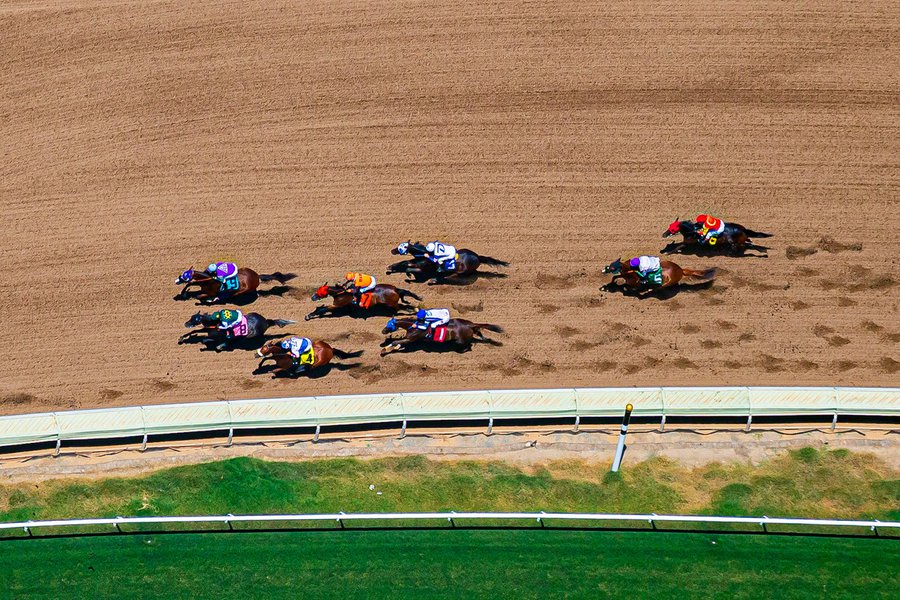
x=350 y=276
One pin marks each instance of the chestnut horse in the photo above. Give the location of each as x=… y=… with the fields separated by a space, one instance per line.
x=421 y=268
x=256 y=329
x=631 y=281
x=385 y=295
x=460 y=332
x=734 y=240
x=211 y=288
x=286 y=364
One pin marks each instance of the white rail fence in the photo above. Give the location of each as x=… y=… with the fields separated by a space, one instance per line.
x=542 y=519
x=373 y=409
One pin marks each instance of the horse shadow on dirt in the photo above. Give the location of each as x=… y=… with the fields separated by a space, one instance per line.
x=355 y=312
x=242 y=344
x=433 y=348
x=458 y=280
x=240 y=300
x=660 y=293
x=316 y=373
x=673 y=248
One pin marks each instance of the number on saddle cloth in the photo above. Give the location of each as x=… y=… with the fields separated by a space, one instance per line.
x=230 y=284
x=308 y=357
x=240 y=329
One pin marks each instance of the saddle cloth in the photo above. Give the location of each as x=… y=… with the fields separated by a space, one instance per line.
x=440 y=334
x=655 y=277
x=240 y=328
x=308 y=357
x=230 y=284
x=365 y=300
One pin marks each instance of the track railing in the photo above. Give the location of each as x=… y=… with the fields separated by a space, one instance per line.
x=450 y=519
x=574 y=404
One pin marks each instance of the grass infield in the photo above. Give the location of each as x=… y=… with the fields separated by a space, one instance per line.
x=448 y=564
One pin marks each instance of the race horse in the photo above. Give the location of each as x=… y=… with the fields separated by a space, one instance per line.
x=253 y=331
x=631 y=281
x=459 y=334
x=420 y=268
x=388 y=296
x=210 y=288
x=734 y=240
x=286 y=365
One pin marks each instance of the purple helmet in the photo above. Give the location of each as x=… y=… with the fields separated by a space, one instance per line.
x=634 y=263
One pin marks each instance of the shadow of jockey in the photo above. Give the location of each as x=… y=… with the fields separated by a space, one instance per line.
x=226 y=273
x=443 y=255
x=358 y=284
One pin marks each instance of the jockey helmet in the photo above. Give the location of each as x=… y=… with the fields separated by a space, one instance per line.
x=421 y=314
x=430 y=247
x=403 y=248
x=285 y=344
x=211 y=268
x=391 y=325
x=350 y=276
x=635 y=262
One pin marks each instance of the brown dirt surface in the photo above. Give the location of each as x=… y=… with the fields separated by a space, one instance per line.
x=139 y=138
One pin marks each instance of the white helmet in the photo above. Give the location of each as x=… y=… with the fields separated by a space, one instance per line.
x=431 y=246
x=211 y=268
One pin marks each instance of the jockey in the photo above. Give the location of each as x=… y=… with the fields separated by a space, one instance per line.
x=647 y=267
x=297 y=346
x=429 y=320
x=442 y=254
x=709 y=228
x=222 y=270
x=227 y=318
x=358 y=284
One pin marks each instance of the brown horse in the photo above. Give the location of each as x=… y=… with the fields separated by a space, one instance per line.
x=287 y=365
x=384 y=295
x=631 y=281
x=210 y=288
x=460 y=333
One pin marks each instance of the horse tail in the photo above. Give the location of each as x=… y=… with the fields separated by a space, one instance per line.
x=756 y=234
x=705 y=275
x=277 y=276
x=342 y=355
x=492 y=262
x=488 y=326
x=404 y=293
x=279 y=322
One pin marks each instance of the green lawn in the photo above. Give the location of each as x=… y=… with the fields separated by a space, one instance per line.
x=449 y=564
x=805 y=483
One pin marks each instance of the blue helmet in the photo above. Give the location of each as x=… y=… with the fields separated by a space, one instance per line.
x=285 y=344
x=403 y=248
x=391 y=325
x=421 y=314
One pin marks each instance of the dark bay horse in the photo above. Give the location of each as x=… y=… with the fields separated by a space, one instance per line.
x=735 y=240
x=420 y=268
x=210 y=288
x=631 y=281
x=460 y=333
x=256 y=329
x=287 y=365
x=382 y=294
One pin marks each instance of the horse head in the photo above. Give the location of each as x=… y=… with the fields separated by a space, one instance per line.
x=185 y=277
x=321 y=292
x=674 y=227
x=613 y=268
x=195 y=320
x=402 y=248
x=269 y=348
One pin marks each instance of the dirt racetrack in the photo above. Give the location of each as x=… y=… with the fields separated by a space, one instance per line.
x=139 y=138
